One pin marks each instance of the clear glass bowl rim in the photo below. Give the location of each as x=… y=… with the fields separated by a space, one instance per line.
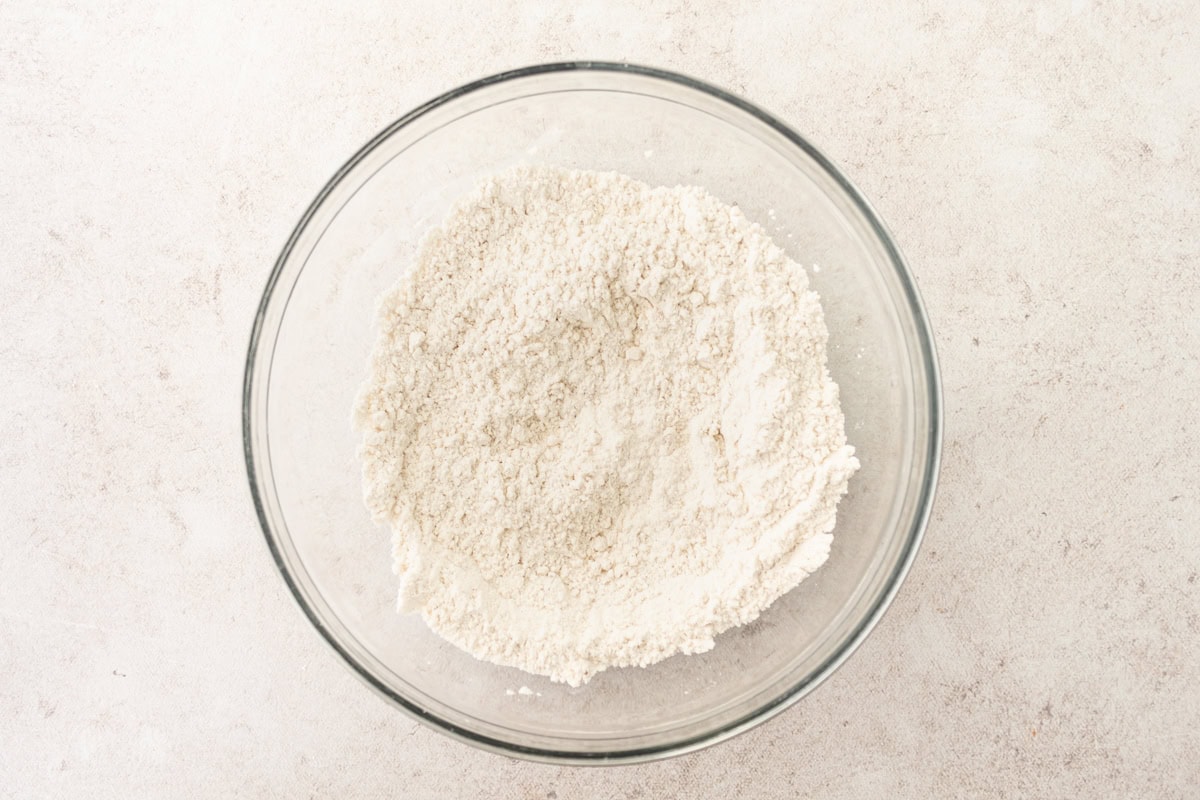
x=928 y=482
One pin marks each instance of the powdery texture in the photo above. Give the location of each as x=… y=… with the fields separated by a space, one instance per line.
x=600 y=424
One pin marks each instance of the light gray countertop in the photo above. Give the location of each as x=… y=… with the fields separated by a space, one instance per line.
x=1038 y=165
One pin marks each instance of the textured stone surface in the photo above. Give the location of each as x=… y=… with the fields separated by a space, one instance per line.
x=1038 y=166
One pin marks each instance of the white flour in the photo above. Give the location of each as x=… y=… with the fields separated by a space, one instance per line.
x=600 y=424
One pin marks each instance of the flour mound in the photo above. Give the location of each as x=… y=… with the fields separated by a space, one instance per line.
x=599 y=422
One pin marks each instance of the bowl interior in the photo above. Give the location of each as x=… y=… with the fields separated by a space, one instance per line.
x=316 y=330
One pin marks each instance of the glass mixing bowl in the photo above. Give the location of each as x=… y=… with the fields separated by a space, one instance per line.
x=314 y=332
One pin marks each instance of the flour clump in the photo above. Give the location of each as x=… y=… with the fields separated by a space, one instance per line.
x=599 y=422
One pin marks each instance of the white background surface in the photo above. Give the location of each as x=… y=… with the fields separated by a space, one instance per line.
x=1038 y=165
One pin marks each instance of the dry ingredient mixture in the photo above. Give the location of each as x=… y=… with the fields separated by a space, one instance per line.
x=599 y=422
